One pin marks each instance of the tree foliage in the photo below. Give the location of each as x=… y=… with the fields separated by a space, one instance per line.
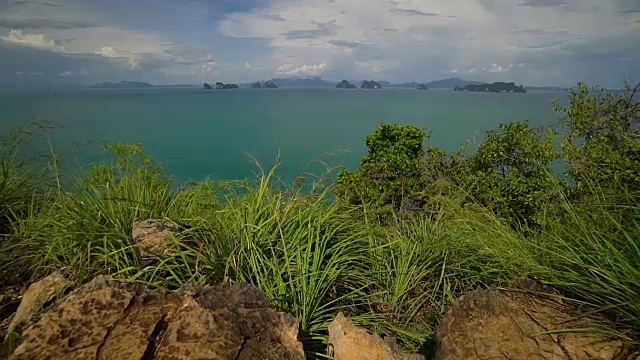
x=392 y=170
x=510 y=172
x=602 y=137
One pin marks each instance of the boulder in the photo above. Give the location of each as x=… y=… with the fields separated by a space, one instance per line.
x=152 y=238
x=348 y=342
x=37 y=295
x=517 y=324
x=106 y=319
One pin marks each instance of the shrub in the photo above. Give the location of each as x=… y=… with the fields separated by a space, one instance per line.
x=391 y=173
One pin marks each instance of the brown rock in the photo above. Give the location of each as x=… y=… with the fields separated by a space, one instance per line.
x=106 y=319
x=492 y=324
x=348 y=342
x=152 y=238
x=36 y=296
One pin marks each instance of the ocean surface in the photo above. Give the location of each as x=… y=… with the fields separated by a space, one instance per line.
x=196 y=134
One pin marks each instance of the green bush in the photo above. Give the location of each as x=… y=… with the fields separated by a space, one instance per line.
x=391 y=173
x=602 y=140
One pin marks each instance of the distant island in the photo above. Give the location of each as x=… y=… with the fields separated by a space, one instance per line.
x=301 y=82
x=545 y=88
x=344 y=84
x=422 y=87
x=137 y=85
x=220 y=85
x=123 y=85
x=370 y=85
x=496 y=87
x=450 y=83
x=265 y=85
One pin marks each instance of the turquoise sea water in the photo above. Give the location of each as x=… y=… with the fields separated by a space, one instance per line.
x=195 y=133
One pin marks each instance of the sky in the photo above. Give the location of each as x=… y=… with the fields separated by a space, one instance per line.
x=532 y=42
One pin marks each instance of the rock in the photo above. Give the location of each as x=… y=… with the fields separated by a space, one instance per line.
x=370 y=85
x=36 y=296
x=207 y=86
x=348 y=342
x=344 y=84
x=492 y=324
x=152 y=239
x=106 y=319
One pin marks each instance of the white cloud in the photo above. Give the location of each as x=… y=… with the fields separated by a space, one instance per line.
x=19 y=73
x=247 y=65
x=495 y=68
x=292 y=70
x=40 y=41
x=426 y=37
x=66 y=73
x=109 y=51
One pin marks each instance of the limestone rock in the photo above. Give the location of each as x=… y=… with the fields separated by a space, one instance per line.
x=492 y=324
x=105 y=319
x=36 y=296
x=152 y=239
x=348 y=342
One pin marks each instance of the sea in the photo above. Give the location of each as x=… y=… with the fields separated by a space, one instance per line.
x=222 y=134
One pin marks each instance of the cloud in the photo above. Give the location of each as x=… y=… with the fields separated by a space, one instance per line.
x=413 y=12
x=247 y=65
x=496 y=68
x=44 y=23
x=319 y=30
x=544 y=3
x=40 y=41
x=292 y=70
x=394 y=40
x=66 y=73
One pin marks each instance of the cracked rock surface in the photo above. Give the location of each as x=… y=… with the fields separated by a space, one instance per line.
x=106 y=319
x=492 y=324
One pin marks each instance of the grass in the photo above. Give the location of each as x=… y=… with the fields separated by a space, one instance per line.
x=313 y=256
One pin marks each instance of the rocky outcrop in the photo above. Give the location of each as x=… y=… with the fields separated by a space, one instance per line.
x=221 y=86
x=153 y=239
x=105 y=319
x=266 y=85
x=37 y=295
x=207 y=86
x=370 y=85
x=492 y=324
x=497 y=87
x=344 y=84
x=348 y=342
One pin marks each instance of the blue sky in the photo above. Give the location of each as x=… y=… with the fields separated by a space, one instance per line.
x=535 y=42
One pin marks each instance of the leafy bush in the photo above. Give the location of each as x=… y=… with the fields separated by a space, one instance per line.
x=391 y=172
x=602 y=139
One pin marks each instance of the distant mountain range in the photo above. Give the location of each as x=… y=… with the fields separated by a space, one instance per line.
x=317 y=82
x=134 y=85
